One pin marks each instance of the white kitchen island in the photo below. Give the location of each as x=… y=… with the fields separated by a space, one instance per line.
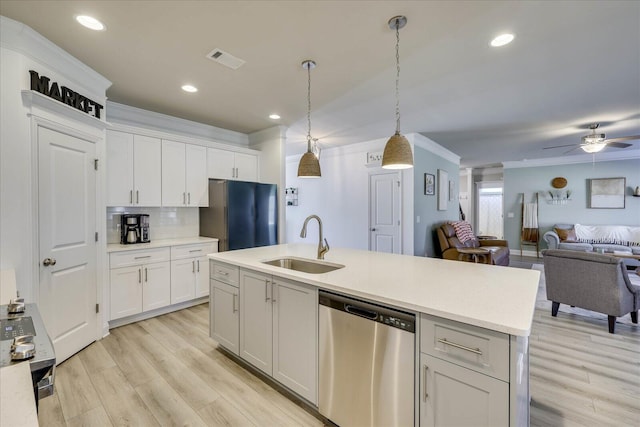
x=471 y=335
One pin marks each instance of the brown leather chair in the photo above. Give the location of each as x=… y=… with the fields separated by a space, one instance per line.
x=497 y=251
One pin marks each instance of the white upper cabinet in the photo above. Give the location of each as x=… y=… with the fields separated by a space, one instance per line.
x=223 y=164
x=133 y=170
x=184 y=174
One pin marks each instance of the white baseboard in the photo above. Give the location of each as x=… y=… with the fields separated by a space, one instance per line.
x=158 y=312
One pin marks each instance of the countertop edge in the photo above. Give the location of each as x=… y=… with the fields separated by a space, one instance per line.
x=520 y=328
x=162 y=243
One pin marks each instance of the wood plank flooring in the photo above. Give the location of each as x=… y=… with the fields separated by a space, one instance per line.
x=167 y=371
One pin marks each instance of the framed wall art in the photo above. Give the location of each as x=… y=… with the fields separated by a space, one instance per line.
x=607 y=193
x=429 y=184
x=443 y=189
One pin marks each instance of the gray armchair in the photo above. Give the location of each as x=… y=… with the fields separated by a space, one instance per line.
x=591 y=281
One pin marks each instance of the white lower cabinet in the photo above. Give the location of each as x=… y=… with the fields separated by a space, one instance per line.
x=224 y=316
x=278 y=330
x=138 y=283
x=451 y=395
x=190 y=272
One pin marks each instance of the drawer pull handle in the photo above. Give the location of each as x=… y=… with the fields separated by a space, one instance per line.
x=141 y=257
x=223 y=273
x=463 y=347
x=196 y=250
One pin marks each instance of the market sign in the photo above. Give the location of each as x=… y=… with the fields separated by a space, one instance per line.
x=63 y=94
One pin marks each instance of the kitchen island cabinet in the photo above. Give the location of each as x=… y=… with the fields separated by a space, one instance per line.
x=278 y=324
x=224 y=306
x=475 y=321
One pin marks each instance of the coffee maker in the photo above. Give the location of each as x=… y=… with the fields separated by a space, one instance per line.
x=130 y=229
x=143 y=222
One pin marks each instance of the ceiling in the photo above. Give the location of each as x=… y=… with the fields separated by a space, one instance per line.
x=571 y=64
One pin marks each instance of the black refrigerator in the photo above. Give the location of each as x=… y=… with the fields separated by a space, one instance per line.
x=240 y=214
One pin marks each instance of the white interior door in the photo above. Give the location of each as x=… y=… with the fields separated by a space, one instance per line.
x=67 y=248
x=384 y=212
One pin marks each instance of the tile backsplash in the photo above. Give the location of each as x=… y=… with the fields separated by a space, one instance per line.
x=164 y=223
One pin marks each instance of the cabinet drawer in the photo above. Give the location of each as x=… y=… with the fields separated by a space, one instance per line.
x=144 y=256
x=191 y=251
x=475 y=348
x=225 y=273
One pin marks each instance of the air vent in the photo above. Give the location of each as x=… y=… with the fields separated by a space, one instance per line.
x=226 y=59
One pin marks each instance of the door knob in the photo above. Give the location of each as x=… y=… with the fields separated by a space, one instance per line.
x=373 y=229
x=49 y=261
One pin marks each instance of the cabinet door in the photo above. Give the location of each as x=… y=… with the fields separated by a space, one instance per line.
x=451 y=395
x=256 y=320
x=225 y=315
x=147 y=177
x=246 y=167
x=119 y=169
x=197 y=181
x=173 y=174
x=202 y=277
x=220 y=164
x=156 y=286
x=295 y=326
x=125 y=291
x=183 y=280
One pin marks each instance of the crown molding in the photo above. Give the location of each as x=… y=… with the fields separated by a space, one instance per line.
x=23 y=39
x=430 y=145
x=137 y=117
x=569 y=160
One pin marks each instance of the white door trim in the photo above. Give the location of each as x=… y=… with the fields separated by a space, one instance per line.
x=92 y=131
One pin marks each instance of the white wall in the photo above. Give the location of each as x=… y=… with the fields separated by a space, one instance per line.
x=21 y=50
x=341 y=198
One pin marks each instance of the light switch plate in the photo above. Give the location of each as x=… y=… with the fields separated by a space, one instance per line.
x=374 y=157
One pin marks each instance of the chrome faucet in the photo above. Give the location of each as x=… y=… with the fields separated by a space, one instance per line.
x=303 y=233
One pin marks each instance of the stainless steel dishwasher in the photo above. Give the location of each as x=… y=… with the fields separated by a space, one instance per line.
x=366 y=363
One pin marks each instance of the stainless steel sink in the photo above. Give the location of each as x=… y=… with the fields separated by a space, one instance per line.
x=304 y=265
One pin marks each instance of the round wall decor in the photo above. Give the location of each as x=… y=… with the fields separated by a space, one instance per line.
x=559 y=182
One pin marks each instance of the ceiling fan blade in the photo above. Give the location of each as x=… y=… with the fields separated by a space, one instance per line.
x=618 y=144
x=622 y=138
x=574 y=148
x=560 y=146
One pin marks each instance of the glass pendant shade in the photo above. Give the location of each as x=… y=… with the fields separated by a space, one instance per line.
x=397 y=153
x=593 y=147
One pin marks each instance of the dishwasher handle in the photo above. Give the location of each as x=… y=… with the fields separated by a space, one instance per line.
x=363 y=312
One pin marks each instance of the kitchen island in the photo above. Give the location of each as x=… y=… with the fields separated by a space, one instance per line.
x=473 y=323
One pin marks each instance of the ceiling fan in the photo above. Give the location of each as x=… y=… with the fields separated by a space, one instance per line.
x=595 y=142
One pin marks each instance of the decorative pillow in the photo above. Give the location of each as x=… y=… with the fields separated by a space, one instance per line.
x=463 y=229
x=566 y=235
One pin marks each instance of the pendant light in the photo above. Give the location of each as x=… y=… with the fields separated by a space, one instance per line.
x=309 y=166
x=397 y=153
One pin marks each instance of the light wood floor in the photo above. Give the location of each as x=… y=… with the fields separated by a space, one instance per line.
x=168 y=371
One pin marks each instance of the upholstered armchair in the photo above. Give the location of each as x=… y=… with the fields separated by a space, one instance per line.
x=494 y=251
x=591 y=281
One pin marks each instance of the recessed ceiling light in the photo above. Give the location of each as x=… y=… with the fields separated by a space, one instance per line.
x=189 y=88
x=274 y=116
x=90 y=22
x=502 y=40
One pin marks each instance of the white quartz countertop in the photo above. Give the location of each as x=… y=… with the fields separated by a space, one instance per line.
x=117 y=247
x=493 y=297
x=17 y=401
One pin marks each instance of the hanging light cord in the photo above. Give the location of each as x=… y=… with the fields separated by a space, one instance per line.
x=308 y=107
x=397 y=76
